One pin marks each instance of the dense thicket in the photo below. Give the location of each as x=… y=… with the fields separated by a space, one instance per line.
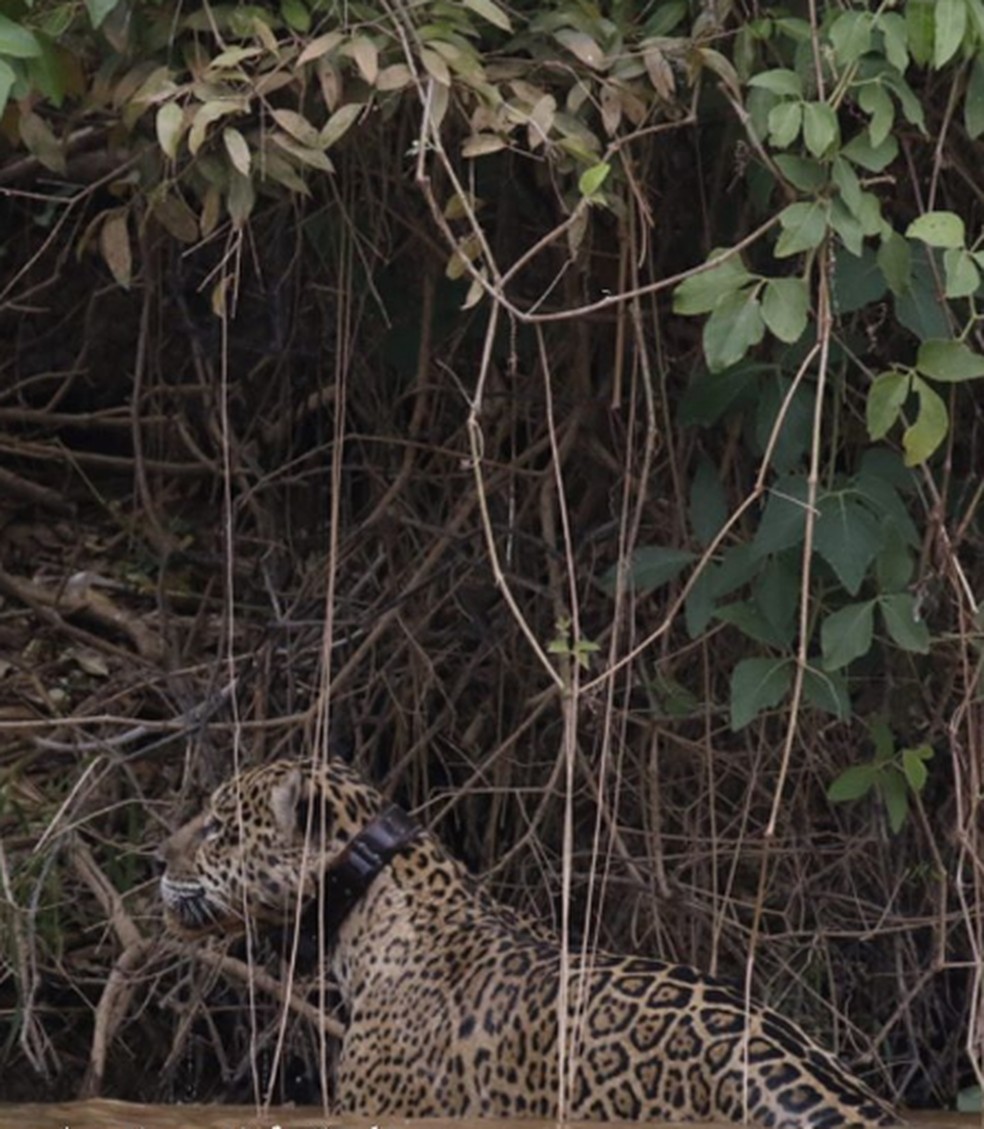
x=575 y=405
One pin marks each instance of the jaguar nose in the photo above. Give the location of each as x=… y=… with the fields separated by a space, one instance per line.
x=180 y=842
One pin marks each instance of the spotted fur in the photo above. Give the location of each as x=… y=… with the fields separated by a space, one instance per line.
x=453 y=999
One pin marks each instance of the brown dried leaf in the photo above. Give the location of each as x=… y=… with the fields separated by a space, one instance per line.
x=170 y=125
x=205 y=115
x=297 y=126
x=541 y=120
x=466 y=251
x=174 y=215
x=330 y=80
x=482 y=144
x=241 y=198
x=320 y=46
x=114 y=243
x=396 y=77
x=238 y=150
x=363 y=51
x=435 y=66
x=339 y=123
x=582 y=46
x=611 y=109
x=211 y=210
x=313 y=157
x=41 y=142
x=660 y=73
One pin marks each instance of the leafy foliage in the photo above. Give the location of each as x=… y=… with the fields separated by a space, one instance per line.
x=660 y=321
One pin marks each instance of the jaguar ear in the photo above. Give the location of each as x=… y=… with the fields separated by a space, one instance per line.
x=286 y=800
x=292 y=800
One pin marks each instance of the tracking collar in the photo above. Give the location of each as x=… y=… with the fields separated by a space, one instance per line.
x=353 y=872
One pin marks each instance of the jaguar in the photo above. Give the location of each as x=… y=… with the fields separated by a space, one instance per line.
x=457 y=1005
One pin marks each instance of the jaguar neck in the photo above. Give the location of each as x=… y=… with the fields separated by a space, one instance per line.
x=364 y=858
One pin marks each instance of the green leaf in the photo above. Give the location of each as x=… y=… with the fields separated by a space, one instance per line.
x=664 y=17
x=296 y=15
x=803 y=228
x=888 y=392
x=7 y=79
x=802 y=172
x=794 y=419
x=903 y=624
x=847 y=183
x=847 y=226
x=914 y=766
x=701 y=292
x=895 y=797
x=950 y=361
x=974 y=100
x=821 y=130
x=846 y=635
x=919 y=26
x=738 y=566
x=751 y=622
x=875 y=102
x=853 y=783
x=99 y=9
x=870 y=215
x=858 y=280
x=785 y=120
x=786 y=307
x=882 y=739
x=699 y=608
x=735 y=325
x=756 y=685
x=848 y=537
x=896 y=37
x=709 y=397
x=776 y=591
x=880 y=483
x=827 y=691
x=894 y=566
x=895 y=260
x=920 y=307
x=850 y=36
x=708 y=505
x=912 y=108
x=17 y=42
x=874 y=158
x=650 y=566
x=784 y=519
x=785 y=83
x=950 y=24
x=929 y=430
x=593 y=178
x=962 y=276
x=938 y=229
x=491 y=12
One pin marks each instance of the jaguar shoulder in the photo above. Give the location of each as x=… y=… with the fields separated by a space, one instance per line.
x=453 y=1001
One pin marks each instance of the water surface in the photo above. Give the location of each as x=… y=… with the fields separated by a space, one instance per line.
x=106 y=1114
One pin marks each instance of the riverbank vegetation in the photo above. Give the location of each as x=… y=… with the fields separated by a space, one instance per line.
x=574 y=406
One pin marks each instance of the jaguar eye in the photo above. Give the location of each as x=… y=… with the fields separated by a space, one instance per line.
x=212 y=829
